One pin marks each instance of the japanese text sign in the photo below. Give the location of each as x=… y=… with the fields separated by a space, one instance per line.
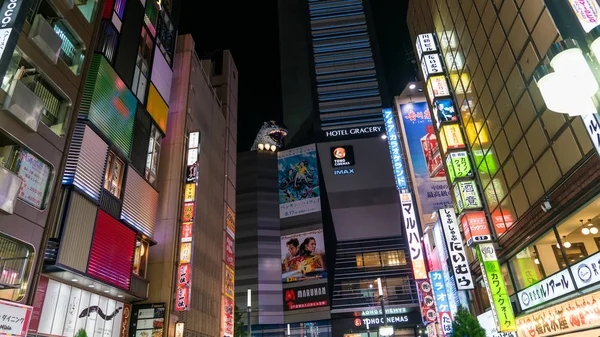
x=428 y=312
x=413 y=236
x=431 y=65
x=486 y=253
x=14 y=319
x=441 y=301
x=466 y=196
x=190 y=192
x=451 y=137
x=394 y=144
x=547 y=289
x=182 y=299
x=425 y=44
x=476 y=228
x=459 y=165
x=458 y=257
x=437 y=86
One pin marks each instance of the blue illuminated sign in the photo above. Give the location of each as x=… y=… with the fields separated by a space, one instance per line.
x=343 y=172
x=392 y=137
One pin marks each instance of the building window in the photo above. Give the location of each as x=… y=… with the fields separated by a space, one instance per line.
x=57 y=108
x=87 y=8
x=142 y=65
x=72 y=50
x=393 y=258
x=153 y=155
x=16 y=259
x=574 y=253
x=113 y=178
x=140 y=258
x=35 y=173
x=390 y=258
x=535 y=262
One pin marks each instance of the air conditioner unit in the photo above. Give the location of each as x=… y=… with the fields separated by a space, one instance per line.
x=10 y=184
x=44 y=36
x=24 y=105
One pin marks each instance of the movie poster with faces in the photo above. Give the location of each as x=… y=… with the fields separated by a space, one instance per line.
x=303 y=256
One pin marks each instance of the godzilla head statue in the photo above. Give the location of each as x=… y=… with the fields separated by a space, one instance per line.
x=270 y=134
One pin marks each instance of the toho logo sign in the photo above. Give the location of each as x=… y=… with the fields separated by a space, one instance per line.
x=9 y=10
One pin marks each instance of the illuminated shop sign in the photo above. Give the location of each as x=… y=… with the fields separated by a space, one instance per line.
x=475 y=228
x=413 y=235
x=431 y=65
x=11 y=24
x=444 y=111
x=343 y=172
x=353 y=131
x=305 y=297
x=378 y=312
x=593 y=127
x=459 y=165
x=562 y=319
x=148 y=320
x=437 y=86
x=441 y=301
x=587 y=12
x=186 y=246
x=496 y=288
x=451 y=137
x=466 y=196
x=547 y=289
x=14 y=319
x=395 y=152
x=342 y=156
x=425 y=44
x=458 y=257
x=428 y=311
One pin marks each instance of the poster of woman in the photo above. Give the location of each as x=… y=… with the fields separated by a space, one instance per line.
x=298 y=181
x=303 y=256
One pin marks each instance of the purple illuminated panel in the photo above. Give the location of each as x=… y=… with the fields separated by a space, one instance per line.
x=162 y=75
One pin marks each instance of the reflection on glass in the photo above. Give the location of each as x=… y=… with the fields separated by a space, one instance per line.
x=536 y=261
x=509 y=286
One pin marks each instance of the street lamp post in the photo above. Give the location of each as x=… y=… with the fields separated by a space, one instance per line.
x=380 y=289
x=249 y=306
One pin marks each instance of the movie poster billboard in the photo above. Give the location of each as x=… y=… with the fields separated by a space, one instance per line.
x=298 y=181
x=429 y=176
x=303 y=256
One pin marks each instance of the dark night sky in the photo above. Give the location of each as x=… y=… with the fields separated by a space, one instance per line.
x=249 y=29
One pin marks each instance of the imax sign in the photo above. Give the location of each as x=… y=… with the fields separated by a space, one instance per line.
x=343 y=172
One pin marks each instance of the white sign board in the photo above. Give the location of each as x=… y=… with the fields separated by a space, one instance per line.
x=431 y=65
x=456 y=250
x=425 y=44
x=547 y=289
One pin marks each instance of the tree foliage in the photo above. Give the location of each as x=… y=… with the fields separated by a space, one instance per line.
x=466 y=325
x=81 y=333
x=238 y=324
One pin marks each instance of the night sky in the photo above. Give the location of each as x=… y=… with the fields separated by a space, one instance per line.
x=250 y=30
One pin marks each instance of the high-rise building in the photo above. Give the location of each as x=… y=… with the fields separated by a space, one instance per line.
x=536 y=169
x=191 y=267
x=333 y=95
x=47 y=49
x=98 y=239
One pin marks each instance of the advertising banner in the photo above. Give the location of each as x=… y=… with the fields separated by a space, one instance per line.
x=14 y=319
x=587 y=12
x=427 y=302
x=496 y=288
x=458 y=257
x=441 y=301
x=475 y=227
x=444 y=111
x=229 y=251
x=305 y=297
x=431 y=188
x=413 y=236
x=35 y=175
x=395 y=151
x=298 y=181
x=229 y=282
x=228 y=312
x=303 y=256
x=230 y=219
x=486 y=320
x=563 y=319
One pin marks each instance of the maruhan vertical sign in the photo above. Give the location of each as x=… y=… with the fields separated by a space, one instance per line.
x=413 y=235
x=12 y=17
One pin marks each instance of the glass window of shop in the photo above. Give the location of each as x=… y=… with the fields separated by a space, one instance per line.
x=16 y=259
x=57 y=108
x=113 y=177
x=34 y=172
x=153 y=155
x=140 y=259
x=572 y=240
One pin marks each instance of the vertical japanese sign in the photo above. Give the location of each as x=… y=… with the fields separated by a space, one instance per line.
x=413 y=236
x=424 y=157
x=298 y=176
x=428 y=312
x=395 y=152
x=229 y=286
x=458 y=257
x=441 y=301
x=186 y=245
x=593 y=128
x=492 y=276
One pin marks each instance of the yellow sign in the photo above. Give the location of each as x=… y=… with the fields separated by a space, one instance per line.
x=230 y=221
x=190 y=192
x=185 y=253
x=451 y=137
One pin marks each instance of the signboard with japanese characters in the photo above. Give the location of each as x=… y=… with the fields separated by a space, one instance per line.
x=413 y=236
x=229 y=251
x=441 y=301
x=186 y=235
x=425 y=44
x=551 y=287
x=437 y=86
x=458 y=257
x=486 y=320
x=475 y=228
x=451 y=137
x=305 y=297
x=459 y=165
x=593 y=128
x=443 y=111
x=394 y=144
x=466 y=196
x=427 y=302
x=587 y=13
x=14 y=319
x=486 y=253
x=431 y=65
x=563 y=319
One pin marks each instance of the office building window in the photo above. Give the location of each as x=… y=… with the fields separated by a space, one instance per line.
x=140 y=258
x=113 y=178
x=142 y=66
x=381 y=259
x=153 y=155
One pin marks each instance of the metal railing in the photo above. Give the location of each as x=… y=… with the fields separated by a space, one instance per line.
x=12 y=271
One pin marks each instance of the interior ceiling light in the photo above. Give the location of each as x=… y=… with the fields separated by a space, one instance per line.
x=584 y=230
x=567 y=58
x=566 y=243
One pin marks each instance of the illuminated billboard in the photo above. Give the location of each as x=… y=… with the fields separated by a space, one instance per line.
x=298 y=176
x=303 y=256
